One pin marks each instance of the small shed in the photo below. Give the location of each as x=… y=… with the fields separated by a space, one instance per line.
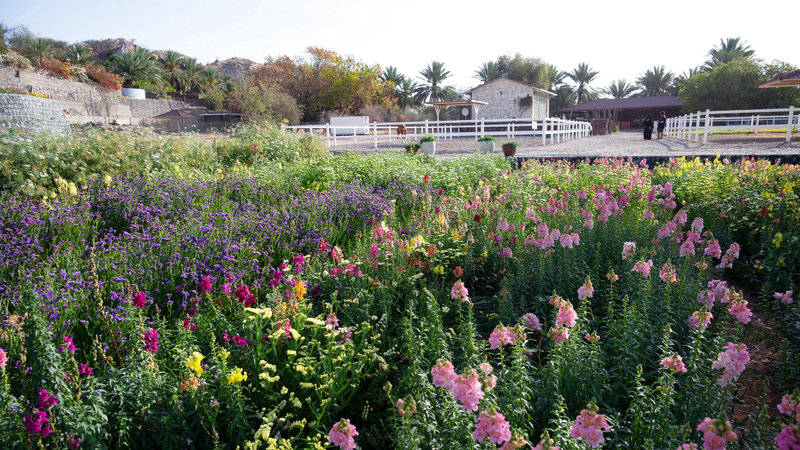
x=786 y=80
x=176 y=120
x=509 y=99
x=629 y=112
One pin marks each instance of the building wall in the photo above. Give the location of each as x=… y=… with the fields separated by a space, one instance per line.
x=33 y=114
x=510 y=100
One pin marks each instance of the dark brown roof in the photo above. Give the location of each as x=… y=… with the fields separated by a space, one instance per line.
x=785 y=80
x=661 y=101
x=174 y=113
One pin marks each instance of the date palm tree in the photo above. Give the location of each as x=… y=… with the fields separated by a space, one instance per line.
x=582 y=77
x=40 y=49
x=565 y=97
x=656 y=82
x=80 y=55
x=391 y=74
x=433 y=89
x=192 y=75
x=552 y=76
x=620 y=89
x=728 y=50
x=170 y=63
x=488 y=71
x=138 y=65
x=405 y=93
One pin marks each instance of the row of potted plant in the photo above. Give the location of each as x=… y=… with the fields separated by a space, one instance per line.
x=487 y=145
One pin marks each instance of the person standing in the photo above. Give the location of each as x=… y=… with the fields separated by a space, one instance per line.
x=647 y=125
x=662 y=123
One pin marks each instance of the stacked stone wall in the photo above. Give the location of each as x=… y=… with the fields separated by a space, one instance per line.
x=33 y=114
x=503 y=98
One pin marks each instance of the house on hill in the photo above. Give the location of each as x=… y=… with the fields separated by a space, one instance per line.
x=629 y=111
x=508 y=99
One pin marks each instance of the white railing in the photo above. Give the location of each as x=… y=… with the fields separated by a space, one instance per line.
x=690 y=126
x=557 y=130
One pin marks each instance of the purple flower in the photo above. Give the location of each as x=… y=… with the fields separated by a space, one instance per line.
x=85 y=370
x=46 y=400
x=151 y=341
x=33 y=422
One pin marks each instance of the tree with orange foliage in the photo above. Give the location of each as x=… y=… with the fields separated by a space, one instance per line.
x=322 y=80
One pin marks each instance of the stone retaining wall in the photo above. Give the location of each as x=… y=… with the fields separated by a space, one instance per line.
x=33 y=114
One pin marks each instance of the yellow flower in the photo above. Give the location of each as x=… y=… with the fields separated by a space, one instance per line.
x=236 y=376
x=107 y=179
x=300 y=289
x=193 y=362
x=264 y=313
x=224 y=353
x=776 y=241
x=52 y=194
x=73 y=190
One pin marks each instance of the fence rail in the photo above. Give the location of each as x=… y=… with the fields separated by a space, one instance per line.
x=557 y=130
x=690 y=125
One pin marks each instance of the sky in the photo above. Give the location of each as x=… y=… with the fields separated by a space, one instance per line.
x=617 y=39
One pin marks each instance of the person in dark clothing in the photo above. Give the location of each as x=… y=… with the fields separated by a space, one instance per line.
x=648 y=127
x=662 y=123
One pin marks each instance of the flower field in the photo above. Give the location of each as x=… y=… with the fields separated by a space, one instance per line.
x=395 y=301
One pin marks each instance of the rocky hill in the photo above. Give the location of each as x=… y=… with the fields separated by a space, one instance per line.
x=105 y=48
x=234 y=67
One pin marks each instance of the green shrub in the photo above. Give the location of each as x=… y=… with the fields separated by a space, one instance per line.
x=487 y=139
x=428 y=138
x=510 y=143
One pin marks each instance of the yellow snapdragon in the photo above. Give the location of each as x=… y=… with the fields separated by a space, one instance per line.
x=193 y=362
x=236 y=376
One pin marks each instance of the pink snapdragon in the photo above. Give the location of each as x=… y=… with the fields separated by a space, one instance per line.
x=690 y=446
x=674 y=363
x=647 y=214
x=589 y=426
x=151 y=341
x=85 y=370
x=740 y=310
x=667 y=274
x=493 y=426
x=342 y=435
x=444 y=375
x=204 y=286
x=336 y=253
x=46 y=400
x=643 y=267
x=504 y=336
x=459 y=291
x=687 y=249
x=559 y=334
x=532 y=322
x=570 y=240
x=708 y=297
x=731 y=255
x=4 y=356
x=567 y=316
x=587 y=290
x=36 y=422
x=713 y=248
x=785 y=298
x=789 y=438
x=697 y=225
x=699 y=319
x=68 y=346
x=139 y=300
x=467 y=390
x=732 y=362
x=716 y=433
x=790 y=405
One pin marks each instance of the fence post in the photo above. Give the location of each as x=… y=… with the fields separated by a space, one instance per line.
x=553 y=128
x=482 y=127
x=544 y=134
x=697 y=128
x=707 y=127
x=375 y=132
x=334 y=135
x=758 y=122
x=426 y=126
x=789 y=125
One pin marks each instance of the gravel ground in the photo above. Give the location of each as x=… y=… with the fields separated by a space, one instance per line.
x=617 y=144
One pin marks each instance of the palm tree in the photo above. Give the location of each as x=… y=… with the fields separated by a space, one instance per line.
x=405 y=93
x=656 y=82
x=192 y=73
x=80 y=55
x=138 y=65
x=526 y=70
x=40 y=49
x=434 y=75
x=209 y=78
x=620 y=89
x=488 y=71
x=170 y=63
x=728 y=50
x=391 y=74
x=582 y=76
x=552 y=76
x=565 y=97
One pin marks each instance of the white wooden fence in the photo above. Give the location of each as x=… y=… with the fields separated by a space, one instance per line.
x=557 y=130
x=689 y=126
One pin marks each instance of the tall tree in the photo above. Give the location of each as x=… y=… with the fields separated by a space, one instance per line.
x=487 y=72
x=582 y=77
x=40 y=49
x=80 y=55
x=656 y=81
x=433 y=89
x=170 y=63
x=620 y=89
x=138 y=65
x=405 y=92
x=565 y=97
x=728 y=50
x=3 y=31
x=192 y=75
x=530 y=71
x=391 y=74
x=553 y=77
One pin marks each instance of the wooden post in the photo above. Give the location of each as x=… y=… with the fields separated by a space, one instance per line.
x=789 y=125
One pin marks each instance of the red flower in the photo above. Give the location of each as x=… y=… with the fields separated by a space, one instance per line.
x=763 y=211
x=477 y=218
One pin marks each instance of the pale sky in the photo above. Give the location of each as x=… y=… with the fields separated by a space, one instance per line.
x=618 y=39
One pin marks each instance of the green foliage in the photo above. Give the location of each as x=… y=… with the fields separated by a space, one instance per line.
x=728 y=50
x=510 y=144
x=582 y=76
x=657 y=81
x=732 y=86
x=487 y=138
x=259 y=103
x=427 y=138
x=433 y=89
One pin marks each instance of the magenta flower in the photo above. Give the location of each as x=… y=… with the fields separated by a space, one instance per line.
x=85 y=370
x=342 y=435
x=788 y=438
x=46 y=400
x=3 y=358
x=75 y=442
x=204 y=286
x=69 y=346
x=151 y=341
x=34 y=422
x=226 y=288
x=139 y=300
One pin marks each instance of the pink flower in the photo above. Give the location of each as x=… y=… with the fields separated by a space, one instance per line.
x=85 y=370
x=205 y=285
x=587 y=290
x=590 y=426
x=643 y=268
x=342 y=434
x=680 y=217
x=740 y=310
x=459 y=291
x=503 y=225
x=787 y=406
x=139 y=300
x=494 y=426
x=732 y=362
x=560 y=334
x=788 y=438
x=226 y=288
x=687 y=248
x=667 y=274
x=34 y=422
x=674 y=363
x=785 y=298
x=4 y=357
x=716 y=433
x=46 y=400
x=691 y=446
x=647 y=214
x=502 y=336
x=68 y=347
x=151 y=341
x=336 y=253
x=542 y=230
x=444 y=376
x=468 y=391
x=566 y=316
x=708 y=297
x=713 y=248
x=532 y=322
x=699 y=320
